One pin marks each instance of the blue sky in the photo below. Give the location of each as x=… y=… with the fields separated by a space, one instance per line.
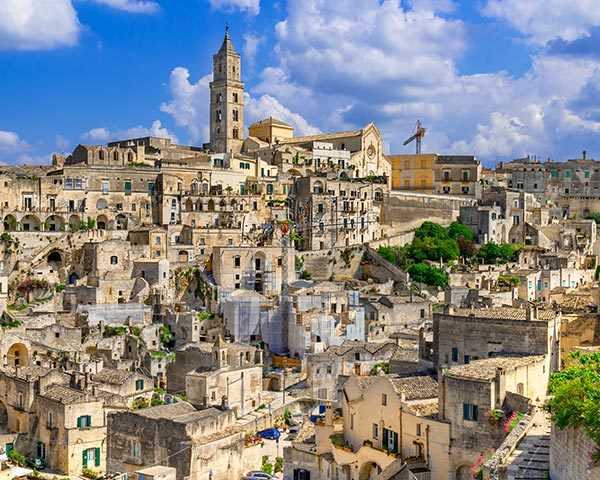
x=496 y=78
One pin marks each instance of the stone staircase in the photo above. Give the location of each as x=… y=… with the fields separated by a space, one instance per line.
x=531 y=459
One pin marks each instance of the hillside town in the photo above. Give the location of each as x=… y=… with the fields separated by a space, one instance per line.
x=268 y=305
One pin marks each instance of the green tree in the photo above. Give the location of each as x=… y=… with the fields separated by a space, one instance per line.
x=430 y=229
x=576 y=396
x=458 y=230
x=388 y=253
x=466 y=247
x=595 y=216
x=424 y=273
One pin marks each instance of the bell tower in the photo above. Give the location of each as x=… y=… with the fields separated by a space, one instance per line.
x=226 y=100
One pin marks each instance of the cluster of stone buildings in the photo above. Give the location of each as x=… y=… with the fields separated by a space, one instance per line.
x=161 y=303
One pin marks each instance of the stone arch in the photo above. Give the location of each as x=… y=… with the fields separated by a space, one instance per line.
x=369 y=471
x=102 y=204
x=121 y=221
x=318 y=187
x=189 y=205
x=102 y=222
x=10 y=223
x=222 y=204
x=183 y=256
x=464 y=473
x=199 y=205
x=294 y=172
x=54 y=257
x=211 y=205
x=31 y=223
x=74 y=220
x=54 y=223
x=378 y=195
x=17 y=355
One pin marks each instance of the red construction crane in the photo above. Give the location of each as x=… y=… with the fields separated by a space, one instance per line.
x=417 y=134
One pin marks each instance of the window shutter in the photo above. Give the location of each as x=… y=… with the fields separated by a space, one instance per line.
x=465 y=411
x=97 y=456
x=89 y=420
x=475 y=412
x=78 y=422
x=84 y=460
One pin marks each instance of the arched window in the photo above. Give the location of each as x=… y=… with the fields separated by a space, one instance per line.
x=101 y=154
x=236 y=133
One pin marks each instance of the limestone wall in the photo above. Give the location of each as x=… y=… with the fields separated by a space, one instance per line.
x=570 y=455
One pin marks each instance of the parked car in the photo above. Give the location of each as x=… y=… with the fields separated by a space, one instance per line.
x=270 y=433
x=36 y=463
x=257 y=474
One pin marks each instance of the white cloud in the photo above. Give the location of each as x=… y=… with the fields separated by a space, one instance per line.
x=11 y=142
x=342 y=64
x=37 y=24
x=267 y=106
x=102 y=134
x=544 y=20
x=251 y=46
x=34 y=159
x=132 y=6
x=62 y=143
x=189 y=103
x=250 y=6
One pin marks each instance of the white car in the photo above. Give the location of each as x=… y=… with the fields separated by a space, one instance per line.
x=256 y=474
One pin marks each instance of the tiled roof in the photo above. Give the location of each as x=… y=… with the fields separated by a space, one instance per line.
x=349 y=345
x=505 y=313
x=112 y=377
x=270 y=121
x=425 y=409
x=415 y=388
x=170 y=412
x=64 y=394
x=486 y=369
x=26 y=373
x=324 y=136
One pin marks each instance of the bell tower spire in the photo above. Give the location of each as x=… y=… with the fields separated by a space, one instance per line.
x=226 y=99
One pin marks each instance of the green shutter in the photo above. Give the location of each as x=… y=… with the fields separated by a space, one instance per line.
x=97 y=456
x=78 y=422
x=84 y=459
x=89 y=420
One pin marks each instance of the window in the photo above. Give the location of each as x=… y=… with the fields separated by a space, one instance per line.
x=455 y=354
x=69 y=183
x=567 y=173
x=357 y=356
x=418 y=429
x=173 y=203
x=236 y=262
x=270 y=189
x=465 y=190
x=151 y=188
x=470 y=412
x=101 y=155
x=236 y=133
x=114 y=260
x=127 y=186
x=554 y=174
x=465 y=175
x=134 y=449
x=446 y=189
x=236 y=116
x=105 y=187
x=520 y=389
x=320 y=208
x=235 y=97
x=422 y=313
x=49 y=420
x=91 y=457
x=446 y=174
x=41 y=449
x=84 y=421
x=383 y=399
x=375 y=431
x=139 y=384
x=586 y=174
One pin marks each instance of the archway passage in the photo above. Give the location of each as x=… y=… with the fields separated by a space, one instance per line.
x=17 y=355
x=54 y=223
x=30 y=223
x=3 y=419
x=369 y=471
x=464 y=473
x=10 y=223
x=54 y=257
x=73 y=278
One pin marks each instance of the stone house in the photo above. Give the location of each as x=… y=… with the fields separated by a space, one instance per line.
x=391 y=314
x=125 y=383
x=463 y=335
x=194 y=442
x=469 y=392
x=389 y=423
x=457 y=175
x=326 y=371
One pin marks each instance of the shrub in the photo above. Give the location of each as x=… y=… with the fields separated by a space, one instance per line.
x=89 y=473
x=387 y=253
x=424 y=273
x=59 y=288
x=305 y=275
x=576 y=391
x=17 y=457
x=278 y=465
x=267 y=466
